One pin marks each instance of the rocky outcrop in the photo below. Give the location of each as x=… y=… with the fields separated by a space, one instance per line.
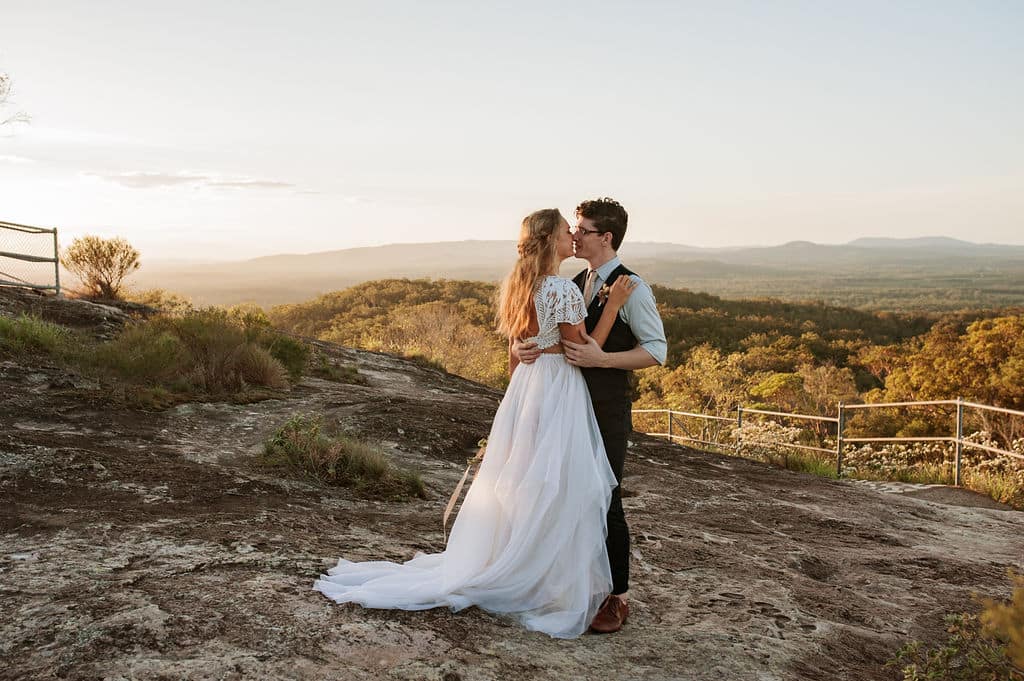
x=138 y=545
x=103 y=318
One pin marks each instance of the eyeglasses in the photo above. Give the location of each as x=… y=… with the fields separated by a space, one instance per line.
x=580 y=230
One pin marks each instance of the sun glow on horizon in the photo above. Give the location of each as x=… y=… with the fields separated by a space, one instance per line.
x=714 y=126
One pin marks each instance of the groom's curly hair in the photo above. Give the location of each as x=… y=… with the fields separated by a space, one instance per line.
x=608 y=216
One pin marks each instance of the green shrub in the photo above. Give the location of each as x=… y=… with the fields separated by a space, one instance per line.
x=985 y=647
x=25 y=334
x=1003 y=486
x=142 y=353
x=256 y=366
x=203 y=352
x=292 y=354
x=1005 y=621
x=155 y=362
x=162 y=300
x=803 y=462
x=301 y=447
x=341 y=373
x=922 y=473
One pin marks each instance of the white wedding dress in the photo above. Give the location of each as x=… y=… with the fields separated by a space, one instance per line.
x=529 y=539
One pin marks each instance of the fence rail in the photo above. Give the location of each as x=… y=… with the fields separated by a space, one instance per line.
x=673 y=423
x=21 y=244
x=957 y=438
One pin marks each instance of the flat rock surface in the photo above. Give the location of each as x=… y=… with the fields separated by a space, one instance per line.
x=139 y=545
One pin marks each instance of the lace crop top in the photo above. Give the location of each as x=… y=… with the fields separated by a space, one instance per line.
x=558 y=301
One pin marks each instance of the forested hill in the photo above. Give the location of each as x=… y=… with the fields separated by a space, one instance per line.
x=447 y=322
x=693 y=318
x=797 y=356
x=354 y=311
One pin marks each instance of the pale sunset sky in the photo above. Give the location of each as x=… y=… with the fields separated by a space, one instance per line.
x=227 y=130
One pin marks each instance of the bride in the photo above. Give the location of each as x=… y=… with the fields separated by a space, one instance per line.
x=529 y=540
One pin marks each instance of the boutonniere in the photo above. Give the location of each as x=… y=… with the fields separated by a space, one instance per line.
x=602 y=295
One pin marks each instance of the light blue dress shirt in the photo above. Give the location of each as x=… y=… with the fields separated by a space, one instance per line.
x=640 y=312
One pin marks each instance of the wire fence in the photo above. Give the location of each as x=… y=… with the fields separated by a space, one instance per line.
x=29 y=257
x=835 y=436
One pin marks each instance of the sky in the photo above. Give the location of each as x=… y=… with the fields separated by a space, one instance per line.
x=227 y=130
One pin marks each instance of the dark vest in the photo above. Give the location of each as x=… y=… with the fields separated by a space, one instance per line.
x=608 y=384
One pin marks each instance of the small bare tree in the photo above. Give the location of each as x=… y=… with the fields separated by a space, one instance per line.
x=5 y=93
x=101 y=264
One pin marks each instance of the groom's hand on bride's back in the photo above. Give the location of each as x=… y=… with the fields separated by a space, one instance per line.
x=526 y=353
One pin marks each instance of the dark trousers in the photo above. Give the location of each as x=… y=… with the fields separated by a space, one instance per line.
x=615 y=422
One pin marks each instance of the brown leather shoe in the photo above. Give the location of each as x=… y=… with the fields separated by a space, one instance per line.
x=610 y=616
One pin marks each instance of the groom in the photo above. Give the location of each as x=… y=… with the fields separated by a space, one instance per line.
x=637 y=340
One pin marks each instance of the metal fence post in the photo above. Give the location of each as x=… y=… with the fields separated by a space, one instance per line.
x=959 y=440
x=739 y=430
x=839 y=441
x=56 y=261
x=670 y=425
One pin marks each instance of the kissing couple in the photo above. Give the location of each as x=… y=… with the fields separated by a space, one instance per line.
x=541 y=535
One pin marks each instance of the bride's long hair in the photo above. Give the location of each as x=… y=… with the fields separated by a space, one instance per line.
x=538 y=255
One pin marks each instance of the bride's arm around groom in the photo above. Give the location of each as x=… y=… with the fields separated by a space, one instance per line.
x=641 y=314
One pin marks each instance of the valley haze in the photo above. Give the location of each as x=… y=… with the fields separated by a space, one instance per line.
x=927 y=273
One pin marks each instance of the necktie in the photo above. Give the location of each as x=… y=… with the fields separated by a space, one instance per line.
x=588 y=289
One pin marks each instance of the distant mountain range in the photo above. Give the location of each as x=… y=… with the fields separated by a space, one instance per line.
x=795 y=270
x=935 y=242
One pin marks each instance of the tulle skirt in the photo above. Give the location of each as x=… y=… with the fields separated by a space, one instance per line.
x=529 y=540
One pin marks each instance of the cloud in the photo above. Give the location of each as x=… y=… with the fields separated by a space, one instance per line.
x=68 y=136
x=10 y=158
x=251 y=184
x=150 y=180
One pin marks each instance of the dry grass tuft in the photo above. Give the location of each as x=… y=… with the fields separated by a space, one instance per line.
x=200 y=354
x=255 y=366
x=25 y=334
x=301 y=447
